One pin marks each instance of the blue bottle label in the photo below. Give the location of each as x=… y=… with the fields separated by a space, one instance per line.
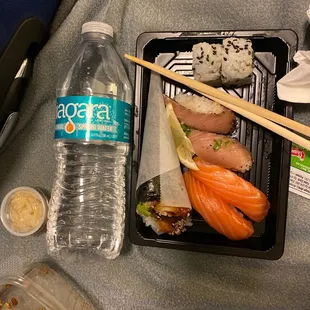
x=92 y=118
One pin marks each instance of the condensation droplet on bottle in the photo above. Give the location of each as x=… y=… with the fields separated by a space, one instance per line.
x=88 y=68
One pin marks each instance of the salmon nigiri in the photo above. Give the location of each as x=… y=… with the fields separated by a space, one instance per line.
x=201 y=113
x=233 y=189
x=221 y=150
x=224 y=218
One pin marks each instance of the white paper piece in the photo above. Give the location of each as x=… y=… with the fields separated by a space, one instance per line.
x=159 y=156
x=300 y=182
x=295 y=86
x=308 y=14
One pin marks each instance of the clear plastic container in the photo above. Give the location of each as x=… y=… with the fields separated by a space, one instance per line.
x=30 y=214
x=40 y=288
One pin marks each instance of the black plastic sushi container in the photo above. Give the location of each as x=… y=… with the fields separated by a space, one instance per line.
x=274 y=52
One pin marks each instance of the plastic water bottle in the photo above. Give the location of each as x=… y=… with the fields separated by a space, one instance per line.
x=92 y=136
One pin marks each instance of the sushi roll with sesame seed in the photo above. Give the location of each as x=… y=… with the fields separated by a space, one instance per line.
x=207 y=63
x=237 y=62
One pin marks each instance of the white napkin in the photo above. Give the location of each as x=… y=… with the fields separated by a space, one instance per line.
x=308 y=14
x=295 y=86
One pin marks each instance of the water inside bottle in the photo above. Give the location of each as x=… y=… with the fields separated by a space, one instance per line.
x=87 y=208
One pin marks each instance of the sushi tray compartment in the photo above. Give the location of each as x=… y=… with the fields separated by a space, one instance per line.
x=273 y=54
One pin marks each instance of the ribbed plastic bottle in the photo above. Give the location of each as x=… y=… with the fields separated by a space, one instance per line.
x=92 y=136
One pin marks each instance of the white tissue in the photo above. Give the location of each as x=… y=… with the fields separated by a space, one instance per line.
x=308 y=14
x=295 y=86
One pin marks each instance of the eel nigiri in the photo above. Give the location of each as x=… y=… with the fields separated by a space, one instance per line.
x=233 y=189
x=201 y=113
x=161 y=217
x=224 y=218
x=221 y=150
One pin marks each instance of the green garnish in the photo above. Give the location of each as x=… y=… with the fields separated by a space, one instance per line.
x=186 y=129
x=220 y=143
x=227 y=143
x=217 y=145
x=143 y=209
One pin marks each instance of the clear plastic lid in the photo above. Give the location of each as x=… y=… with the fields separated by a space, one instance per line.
x=40 y=287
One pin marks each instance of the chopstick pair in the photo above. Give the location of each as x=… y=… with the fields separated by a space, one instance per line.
x=259 y=115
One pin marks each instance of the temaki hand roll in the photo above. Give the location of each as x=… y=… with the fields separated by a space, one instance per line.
x=162 y=199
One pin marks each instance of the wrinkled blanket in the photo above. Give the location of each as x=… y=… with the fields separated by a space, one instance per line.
x=142 y=277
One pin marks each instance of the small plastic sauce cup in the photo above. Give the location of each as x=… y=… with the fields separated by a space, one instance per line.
x=24 y=206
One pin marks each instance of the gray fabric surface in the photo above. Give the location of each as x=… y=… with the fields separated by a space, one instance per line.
x=151 y=278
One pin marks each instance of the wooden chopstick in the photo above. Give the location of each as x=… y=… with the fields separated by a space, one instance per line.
x=235 y=104
x=209 y=90
x=285 y=133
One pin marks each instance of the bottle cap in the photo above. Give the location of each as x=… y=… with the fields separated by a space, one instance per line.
x=97 y=27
